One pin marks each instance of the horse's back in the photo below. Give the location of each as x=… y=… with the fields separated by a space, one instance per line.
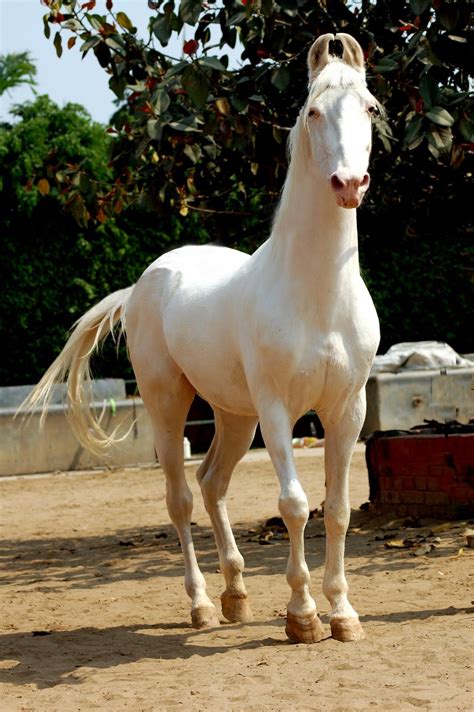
x=197 y=265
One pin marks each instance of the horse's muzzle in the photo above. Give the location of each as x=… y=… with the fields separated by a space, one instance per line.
x=349 y=191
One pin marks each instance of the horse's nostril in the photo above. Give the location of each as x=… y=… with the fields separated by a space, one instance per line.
x=336 y=182
x=365 y=181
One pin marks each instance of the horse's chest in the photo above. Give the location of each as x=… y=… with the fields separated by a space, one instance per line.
x=315 y=372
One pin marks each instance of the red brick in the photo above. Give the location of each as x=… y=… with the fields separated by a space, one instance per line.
x=398 y=483
x=415 y=510
x=413 y=497
x=464 y=495
x=408 y=483
x=421 y=483
x=433 y=484
x=390 y=496
x=437 y=498
x=435 y=470
x=440 y=511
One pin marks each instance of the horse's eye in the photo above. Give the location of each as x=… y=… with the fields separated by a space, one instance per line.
x=313 y=113
x=373 y=110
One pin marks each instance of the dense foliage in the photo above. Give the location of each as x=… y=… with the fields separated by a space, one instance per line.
x=52 y=267
x=194 y=132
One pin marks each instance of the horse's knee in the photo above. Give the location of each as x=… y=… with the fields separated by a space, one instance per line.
x=293 y=505
x=336 y=518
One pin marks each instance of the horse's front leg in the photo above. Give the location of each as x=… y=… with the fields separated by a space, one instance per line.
x=340 y=440
x=302 y=623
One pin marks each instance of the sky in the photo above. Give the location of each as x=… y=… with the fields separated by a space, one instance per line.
x=68 y=79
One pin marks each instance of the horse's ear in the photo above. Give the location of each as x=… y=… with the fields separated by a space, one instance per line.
x=318 y=55
x=352 y=52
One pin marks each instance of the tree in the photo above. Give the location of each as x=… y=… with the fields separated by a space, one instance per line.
x=194 y=132
x=16 y=69
x=53 y=266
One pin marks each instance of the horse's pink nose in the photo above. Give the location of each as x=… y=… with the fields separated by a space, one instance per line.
x=349 y=190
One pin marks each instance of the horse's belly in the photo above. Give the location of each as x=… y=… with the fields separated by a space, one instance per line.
x=201 y=340
x=219 y=379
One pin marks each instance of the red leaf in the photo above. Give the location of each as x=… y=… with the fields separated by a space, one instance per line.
x=101 y=216
x=109 y=4
x=43 y=186
x=88 y=5
x=190 y=46
x=71 y=42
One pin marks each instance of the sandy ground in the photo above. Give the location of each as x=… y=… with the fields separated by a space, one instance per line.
x=95 y=617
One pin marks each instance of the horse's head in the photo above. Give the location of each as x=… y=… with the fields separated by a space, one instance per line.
x=337 y=116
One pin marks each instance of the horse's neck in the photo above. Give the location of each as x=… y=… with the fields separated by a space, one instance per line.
x=314 y=242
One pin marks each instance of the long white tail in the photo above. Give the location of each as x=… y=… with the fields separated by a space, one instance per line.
x=87 y=335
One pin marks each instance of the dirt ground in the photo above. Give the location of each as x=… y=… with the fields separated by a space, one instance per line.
x=95 y=617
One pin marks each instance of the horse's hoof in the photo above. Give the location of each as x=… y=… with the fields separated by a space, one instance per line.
x=236 y=608
x=346 y=629
x=204 y=617
x=304 y=630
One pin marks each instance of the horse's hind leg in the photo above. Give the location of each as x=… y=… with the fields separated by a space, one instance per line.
x=168 y=400
x=233 y=437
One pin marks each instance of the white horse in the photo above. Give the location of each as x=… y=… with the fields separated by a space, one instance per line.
x=261 y=338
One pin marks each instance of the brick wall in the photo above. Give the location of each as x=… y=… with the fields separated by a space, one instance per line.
x=422 y=475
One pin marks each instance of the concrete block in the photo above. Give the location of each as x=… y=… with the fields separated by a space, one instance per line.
x=399 y=401
x=13 y=396
x=27 y=449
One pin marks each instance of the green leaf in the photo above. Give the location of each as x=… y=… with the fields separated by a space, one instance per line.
x=239 y=103
x=441 y=139
x=413 y=133
x=182 y=126
x=47 y=28
x=419 y=6
x=88 y=44
x=102 y=52
x=118 y=86
x=196 y=84
x=162 y=102
x=429 y=91
x=176 y=69
x=440 y=116
x=266 y=7
x=124 y=21
x=161 y=28
x=448 y=15
x=280 y=77
x=58 y=44
x=236 y=19
x=212 y=63
x=466 y=127
x=193 y=152
x=385 y=65
x=189 y=11
x=154 y=129
x=97 y=21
